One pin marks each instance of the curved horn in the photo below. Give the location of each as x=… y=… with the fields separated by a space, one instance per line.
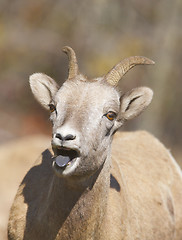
x=73 y=66
x=119 y=70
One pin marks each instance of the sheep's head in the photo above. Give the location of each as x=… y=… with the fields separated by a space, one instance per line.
x=85 y=113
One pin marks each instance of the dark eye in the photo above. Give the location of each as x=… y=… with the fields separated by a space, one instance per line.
x=52 y=108
x=111 y=115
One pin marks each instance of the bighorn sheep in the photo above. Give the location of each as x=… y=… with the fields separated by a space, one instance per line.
x=73 y=191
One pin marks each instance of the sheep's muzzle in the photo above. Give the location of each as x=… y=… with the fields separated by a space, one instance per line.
x=64 y=156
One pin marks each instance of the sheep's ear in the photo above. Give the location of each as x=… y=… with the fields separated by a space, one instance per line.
x=134 y=102
x=43 y=88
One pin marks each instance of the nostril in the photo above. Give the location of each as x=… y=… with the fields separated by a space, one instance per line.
x=66 y=138
x=58 y=135
x=69 y=137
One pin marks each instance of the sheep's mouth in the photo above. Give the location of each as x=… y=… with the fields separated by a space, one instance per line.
x=64 y=157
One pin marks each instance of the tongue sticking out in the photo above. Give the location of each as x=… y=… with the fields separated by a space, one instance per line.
x=62 y=161
x=64 y=157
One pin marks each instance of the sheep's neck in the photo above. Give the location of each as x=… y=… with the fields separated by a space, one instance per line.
x=81 y=211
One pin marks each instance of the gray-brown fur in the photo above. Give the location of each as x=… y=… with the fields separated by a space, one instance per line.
x=133 y=193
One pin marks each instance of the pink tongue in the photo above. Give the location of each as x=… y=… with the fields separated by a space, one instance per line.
x=62 y=161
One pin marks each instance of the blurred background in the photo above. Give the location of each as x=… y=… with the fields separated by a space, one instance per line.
x=102 y=32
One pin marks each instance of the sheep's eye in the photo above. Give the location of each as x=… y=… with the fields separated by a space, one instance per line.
x=52 y=108
x=111 y=115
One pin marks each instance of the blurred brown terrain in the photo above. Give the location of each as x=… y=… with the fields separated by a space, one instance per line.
x=102 y=33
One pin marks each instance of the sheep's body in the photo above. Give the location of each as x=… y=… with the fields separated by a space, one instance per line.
x=151 y=188
x=144 y=200
x=66 y=195
x=14 y=162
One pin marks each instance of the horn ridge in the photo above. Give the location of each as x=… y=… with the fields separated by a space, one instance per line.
x=120 y=69
x=73 y=66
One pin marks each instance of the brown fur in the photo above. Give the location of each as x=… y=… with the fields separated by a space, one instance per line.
x=14 y=163
x=81 y=194
x=142 y=202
